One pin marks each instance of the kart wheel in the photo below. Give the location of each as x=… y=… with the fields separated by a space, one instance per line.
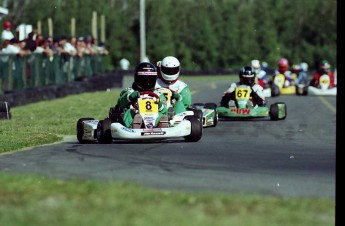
x=198 y=113
x=278 y=111
x=210 y=105
x=275 y=91
x=198 y=104
x=103 y=132
x=213 y=106
x=80 y=130
x=196 y=129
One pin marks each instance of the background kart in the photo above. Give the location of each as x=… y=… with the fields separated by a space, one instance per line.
x=243 y=108
x=278 y=86
x=209 y=113
x=185 y=125
x=323 y=89
x=168 y=93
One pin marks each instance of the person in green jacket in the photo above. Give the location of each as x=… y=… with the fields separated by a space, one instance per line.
x=168 y=77
x=145 y=77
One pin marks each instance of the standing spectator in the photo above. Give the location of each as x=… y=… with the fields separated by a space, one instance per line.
x=30 y=42
x=67 y=51
x=124 y=64
x=7 y=33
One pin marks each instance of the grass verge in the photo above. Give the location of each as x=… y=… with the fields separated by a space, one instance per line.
x=34 y=200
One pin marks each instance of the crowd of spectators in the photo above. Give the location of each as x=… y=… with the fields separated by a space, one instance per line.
x=37 y=43
x=67 y=48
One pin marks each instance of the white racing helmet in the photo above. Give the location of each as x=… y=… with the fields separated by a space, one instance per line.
x=170 y=69
x=256 y=66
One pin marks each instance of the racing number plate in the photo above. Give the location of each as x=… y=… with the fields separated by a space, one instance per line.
x=243 y=93
x=167 y=94
x=148 y=106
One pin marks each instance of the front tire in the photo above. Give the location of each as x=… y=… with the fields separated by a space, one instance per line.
x=80 y=130
x=276 y=112
x=196 y=129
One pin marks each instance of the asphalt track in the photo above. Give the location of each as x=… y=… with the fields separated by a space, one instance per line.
x=295 y=157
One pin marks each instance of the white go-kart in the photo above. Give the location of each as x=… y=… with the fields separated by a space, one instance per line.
x=184 y=125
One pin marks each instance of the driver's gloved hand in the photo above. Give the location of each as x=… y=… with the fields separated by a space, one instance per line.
x=176 y=96
x=134 y=96
x=160 y=104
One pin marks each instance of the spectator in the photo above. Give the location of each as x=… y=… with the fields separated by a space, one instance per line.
x=66 y=47
x=7 y=33
x=124 y=64
x=12 y=47
x=30 y=42
x=102 y=49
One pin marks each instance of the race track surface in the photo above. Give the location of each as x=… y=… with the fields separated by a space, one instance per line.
x=293 y=158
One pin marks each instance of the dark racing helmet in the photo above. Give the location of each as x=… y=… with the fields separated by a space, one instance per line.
x=324 y=67
x=247 y=75
x=145 y=76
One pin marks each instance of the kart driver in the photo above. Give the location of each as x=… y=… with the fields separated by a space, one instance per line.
x=145 y=77
x=324 y=68
x=247 y=77
x=261 y=75
x=283 y=66
x=168 y=77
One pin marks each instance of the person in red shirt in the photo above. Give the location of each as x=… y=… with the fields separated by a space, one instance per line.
x=324 y=68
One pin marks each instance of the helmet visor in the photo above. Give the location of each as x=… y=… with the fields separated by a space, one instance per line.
x=170 y=70
x=146 y=80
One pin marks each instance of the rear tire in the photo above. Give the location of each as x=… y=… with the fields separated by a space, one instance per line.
x=275 y=90
x=80 y=130
x=213 y=106
x=103 y=132
x=196 y=129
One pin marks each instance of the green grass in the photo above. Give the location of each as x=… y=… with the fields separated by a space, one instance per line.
x=40 y=201
x=34 y=200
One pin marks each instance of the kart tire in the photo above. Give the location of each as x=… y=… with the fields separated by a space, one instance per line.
x=213 y=106
x=196 y=129
x=103 y=132
x=198 y=105
x=210 y=105
x=80 y=130
x=198 y=113
x=275 y=91
x=274 y=111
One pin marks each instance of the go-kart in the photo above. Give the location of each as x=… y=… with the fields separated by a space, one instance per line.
x=185 y=124
x=243 y=108
x=209 y=113
x=323 y=89
x=281 y=86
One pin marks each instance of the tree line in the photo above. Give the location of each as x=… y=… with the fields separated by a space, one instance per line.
x=202 y=34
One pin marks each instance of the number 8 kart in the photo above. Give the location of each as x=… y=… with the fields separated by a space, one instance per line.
x=185 y=124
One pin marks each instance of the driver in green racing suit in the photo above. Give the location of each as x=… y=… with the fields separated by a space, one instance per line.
x=145 y=77
x=168 y=77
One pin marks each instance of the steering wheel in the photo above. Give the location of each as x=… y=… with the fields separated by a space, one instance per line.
x=150 y=93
